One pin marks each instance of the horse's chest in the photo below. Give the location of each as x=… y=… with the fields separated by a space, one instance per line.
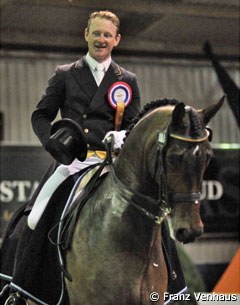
x=154 y=280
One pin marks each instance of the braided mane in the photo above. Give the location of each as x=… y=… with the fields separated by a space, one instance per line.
x=196 y=124
x=151 y=106
x=195 y=121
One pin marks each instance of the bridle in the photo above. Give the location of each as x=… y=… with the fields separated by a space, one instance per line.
x=162 y=140
x=158 y=209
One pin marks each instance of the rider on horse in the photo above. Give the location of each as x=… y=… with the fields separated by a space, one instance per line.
x=90 y=101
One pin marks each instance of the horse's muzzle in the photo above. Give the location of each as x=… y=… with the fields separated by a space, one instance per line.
x=185 y=235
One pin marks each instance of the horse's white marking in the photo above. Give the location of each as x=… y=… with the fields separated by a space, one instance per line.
x=196 y=149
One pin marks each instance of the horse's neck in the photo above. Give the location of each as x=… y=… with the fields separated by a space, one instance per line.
x=137 y=159
x=131 y=168
x=137 y=230
x=134 y=175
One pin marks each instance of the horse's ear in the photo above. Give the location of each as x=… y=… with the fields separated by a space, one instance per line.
x=209 y=112
x=178 y=114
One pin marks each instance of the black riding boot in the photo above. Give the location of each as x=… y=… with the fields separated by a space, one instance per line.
x=16 y=299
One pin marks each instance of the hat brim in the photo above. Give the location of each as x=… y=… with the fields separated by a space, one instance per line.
x=77 y=134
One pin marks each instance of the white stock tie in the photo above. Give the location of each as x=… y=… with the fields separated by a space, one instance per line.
x=99 y=74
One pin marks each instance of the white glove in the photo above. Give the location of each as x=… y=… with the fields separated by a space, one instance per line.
x=118 y=137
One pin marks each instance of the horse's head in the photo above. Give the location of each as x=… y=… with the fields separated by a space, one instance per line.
x=168 y=152
x=185 y=157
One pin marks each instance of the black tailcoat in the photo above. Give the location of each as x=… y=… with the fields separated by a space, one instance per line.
x=73 y=90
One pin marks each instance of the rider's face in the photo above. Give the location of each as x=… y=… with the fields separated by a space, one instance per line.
x=101 y=37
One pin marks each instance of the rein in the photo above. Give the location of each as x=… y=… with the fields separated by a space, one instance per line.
x=133 y=197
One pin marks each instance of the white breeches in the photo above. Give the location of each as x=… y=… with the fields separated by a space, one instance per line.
x=60 y=174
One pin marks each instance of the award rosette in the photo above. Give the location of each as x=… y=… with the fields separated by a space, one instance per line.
x=119 y=97
x=119 y=92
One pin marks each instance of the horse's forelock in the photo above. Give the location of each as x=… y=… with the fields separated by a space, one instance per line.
x=188 y=122
x=196 y=122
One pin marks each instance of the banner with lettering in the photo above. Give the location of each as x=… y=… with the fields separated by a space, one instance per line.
x=220 y=193
x=22 y=167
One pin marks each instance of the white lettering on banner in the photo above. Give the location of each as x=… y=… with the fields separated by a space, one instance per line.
x=211 y=190
x=20 y=190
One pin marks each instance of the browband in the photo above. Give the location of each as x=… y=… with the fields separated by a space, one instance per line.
x=188 y=139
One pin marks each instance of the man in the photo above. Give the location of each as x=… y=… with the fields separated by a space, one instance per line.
x=78 y=92
x=99 y=102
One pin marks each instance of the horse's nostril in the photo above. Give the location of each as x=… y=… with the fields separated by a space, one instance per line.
x=186 y=236
x=182 y=235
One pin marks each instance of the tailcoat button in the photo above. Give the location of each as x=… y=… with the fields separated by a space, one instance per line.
x=85 y=116
x=86 y=130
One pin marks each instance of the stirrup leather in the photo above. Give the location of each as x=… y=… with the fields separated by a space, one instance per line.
x=16 y=299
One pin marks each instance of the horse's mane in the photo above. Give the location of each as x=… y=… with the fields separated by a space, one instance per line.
x=151 y=106
x=196 y=124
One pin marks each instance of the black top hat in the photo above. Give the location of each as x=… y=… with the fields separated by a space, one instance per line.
x=67 y=142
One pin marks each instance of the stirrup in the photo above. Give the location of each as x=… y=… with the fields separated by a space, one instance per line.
x=16 y=299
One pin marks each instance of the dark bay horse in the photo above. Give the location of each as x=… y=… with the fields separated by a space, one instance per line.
x=116 y=256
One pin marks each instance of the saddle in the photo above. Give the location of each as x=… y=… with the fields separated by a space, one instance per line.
x=89 y=180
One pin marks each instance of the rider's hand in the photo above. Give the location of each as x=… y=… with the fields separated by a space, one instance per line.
x=118 y=137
